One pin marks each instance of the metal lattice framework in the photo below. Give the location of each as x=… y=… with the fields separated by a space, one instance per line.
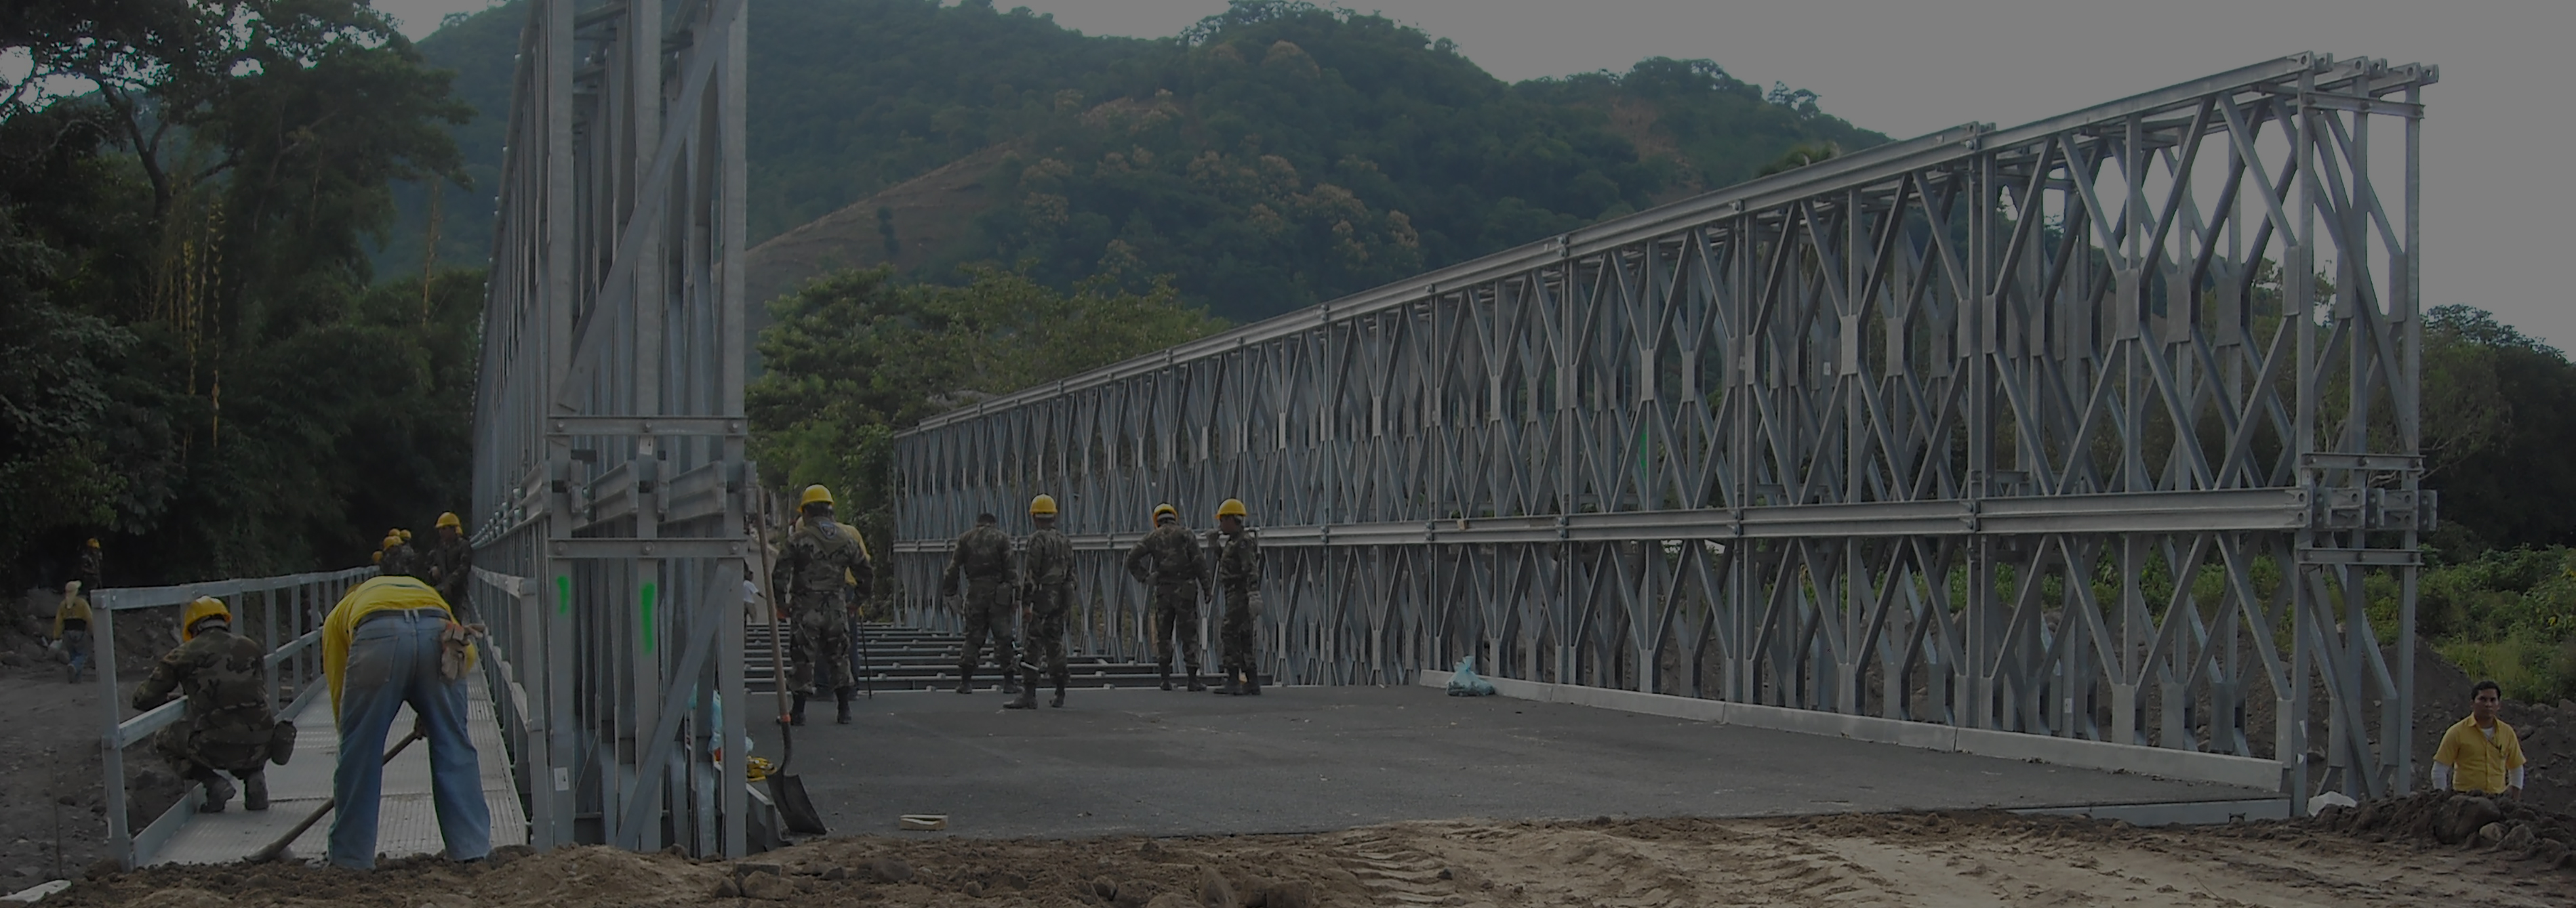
x=609 y=471
x=1925 y=432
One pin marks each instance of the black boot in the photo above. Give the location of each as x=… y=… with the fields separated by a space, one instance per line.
x=796 y=714
x=1028 y=694
x=1251 y=683
x=1010 y=679
x=965 y=679
x=1195 y=686
x=1164 y=669
x=1058 y=702
x=843 y=694
x=255 y=791
x=218 y=791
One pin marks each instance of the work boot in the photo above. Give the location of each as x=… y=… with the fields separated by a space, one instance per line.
x=217 y=792
x=966 y=679
x=843 y=695
x=796 y=715
x=1164 y=670
x=1011 y=682
x=1195 y=686
x=255 y=791
x=1028 y=694
x=1060 y=679
x=1252 y=684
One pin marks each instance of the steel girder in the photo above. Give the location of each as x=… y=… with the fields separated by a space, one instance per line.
x=2102 y=427
x=609 y=469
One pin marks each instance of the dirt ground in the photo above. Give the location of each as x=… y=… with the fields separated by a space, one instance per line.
x=52 y=809
x=1912 y=859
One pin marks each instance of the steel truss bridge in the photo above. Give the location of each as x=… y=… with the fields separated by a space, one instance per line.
x=610 y=484
x=2104 y=427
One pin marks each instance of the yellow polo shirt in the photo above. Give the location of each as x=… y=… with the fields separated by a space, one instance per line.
x=2478 y=764
x=397 y=593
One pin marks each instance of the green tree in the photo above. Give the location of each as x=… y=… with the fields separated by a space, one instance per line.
x=854 y=357
x=196 y=366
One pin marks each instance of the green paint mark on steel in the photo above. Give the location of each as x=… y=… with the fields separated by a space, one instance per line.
x=563 y=594
x=649 y=590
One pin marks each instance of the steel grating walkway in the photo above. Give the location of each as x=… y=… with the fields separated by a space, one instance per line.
x=408 y=824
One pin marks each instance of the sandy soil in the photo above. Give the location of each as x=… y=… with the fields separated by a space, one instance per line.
x=1909 y=859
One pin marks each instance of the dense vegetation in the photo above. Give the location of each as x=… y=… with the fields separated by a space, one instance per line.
x=195 y=361
x=855 y=355
x=1268 y=158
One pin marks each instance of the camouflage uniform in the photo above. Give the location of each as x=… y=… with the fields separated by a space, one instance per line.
x=451 y=570
x=228 y=724
x=1168 y=560
x=399 y=561
x=982 y=558
x=1238 y=579
x=1048 y=574
x=93 y=569
x=814 y=571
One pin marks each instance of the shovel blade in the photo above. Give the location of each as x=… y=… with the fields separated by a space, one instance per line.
x=794 y=808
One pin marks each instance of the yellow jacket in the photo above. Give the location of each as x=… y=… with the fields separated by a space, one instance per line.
x=74 y=608
x=394 y=593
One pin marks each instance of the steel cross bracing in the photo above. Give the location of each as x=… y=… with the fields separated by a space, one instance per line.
x=609 y=472
x=1923 y=432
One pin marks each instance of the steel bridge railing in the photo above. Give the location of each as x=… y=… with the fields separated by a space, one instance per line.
x=287 y=613
x=609 y=472
x=2098 y=428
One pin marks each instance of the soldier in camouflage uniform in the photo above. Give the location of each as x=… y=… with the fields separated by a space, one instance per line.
x=451 y=566
x=228 y=725
x=982 y=559
x=1238 y=579
x=820 y=570
x=1047 y=578
x=398 y=556
x=93 y=567
x=1168 y=560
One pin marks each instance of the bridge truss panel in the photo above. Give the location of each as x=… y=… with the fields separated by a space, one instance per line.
x=609 y=471
x=1925 y=432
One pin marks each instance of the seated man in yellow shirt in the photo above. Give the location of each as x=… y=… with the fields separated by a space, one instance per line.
x=2481 y=753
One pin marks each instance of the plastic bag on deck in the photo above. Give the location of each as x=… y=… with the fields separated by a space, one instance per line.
x=1465 y=683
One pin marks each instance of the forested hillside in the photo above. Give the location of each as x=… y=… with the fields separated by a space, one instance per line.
x=196 y=364
x=1267 y=158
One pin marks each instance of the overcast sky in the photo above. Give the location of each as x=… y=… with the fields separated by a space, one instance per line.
x=2499 y=133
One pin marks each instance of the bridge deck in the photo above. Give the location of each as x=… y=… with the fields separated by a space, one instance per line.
x=407 y=824
x=1303 y=759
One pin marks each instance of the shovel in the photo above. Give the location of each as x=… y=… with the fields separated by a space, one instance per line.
x=277 y=849
x=786 y=791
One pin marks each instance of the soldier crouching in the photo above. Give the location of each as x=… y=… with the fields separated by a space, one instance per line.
x=228 y=727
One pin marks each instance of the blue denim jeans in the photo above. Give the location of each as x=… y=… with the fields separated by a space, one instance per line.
x=393 y=660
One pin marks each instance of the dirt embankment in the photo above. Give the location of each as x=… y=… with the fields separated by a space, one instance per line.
x=1913 y=859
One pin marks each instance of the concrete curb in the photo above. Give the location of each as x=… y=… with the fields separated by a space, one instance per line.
x=2246 y=772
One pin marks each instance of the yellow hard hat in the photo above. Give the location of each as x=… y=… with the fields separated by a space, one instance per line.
x=391 y=541
x=378 y=557
x=815 y=493
x=405 y=534
x=203 y=608
x=1233 y=507
x=1042 y=506
x=449 y=519
x=1164 y=510
x=93 y=542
